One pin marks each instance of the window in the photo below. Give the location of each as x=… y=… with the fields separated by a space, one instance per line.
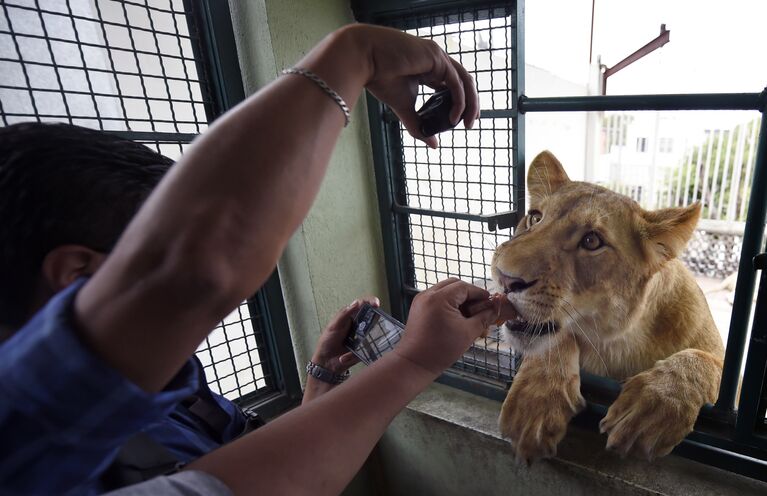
x=444 y=211
x=666 y=145
x=158 y=73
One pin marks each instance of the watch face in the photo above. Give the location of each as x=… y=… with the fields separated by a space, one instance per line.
x=373 y=334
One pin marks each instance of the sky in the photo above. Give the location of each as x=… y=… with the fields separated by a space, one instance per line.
x=716 y=46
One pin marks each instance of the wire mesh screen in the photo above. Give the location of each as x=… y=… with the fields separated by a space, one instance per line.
x=233 y=355
x=471 y=173
x=130 y=67
x=114 y=65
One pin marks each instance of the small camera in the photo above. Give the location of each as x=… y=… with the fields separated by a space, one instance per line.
x=373 y=333
x=435 y=113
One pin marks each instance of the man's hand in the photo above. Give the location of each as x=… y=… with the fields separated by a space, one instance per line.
x=394 y=64
x=400 y=64
x=437 y=332
x=331 y=352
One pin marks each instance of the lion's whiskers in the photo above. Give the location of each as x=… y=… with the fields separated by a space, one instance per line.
x=575 y=321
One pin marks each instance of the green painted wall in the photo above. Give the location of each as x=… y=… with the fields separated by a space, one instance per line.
x=337 y=253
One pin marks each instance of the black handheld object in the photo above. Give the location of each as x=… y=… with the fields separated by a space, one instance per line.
x=373 y=333
x=435 y=113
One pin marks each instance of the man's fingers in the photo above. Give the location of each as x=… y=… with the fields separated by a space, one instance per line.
x=412 y=123
x=471 y=111
x=445 y=75
x=471 y=308
x=343 y=318
x=483 y=320
x=461 y=292
x=454 y=83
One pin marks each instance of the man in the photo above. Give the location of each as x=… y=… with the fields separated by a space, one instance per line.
x=66 y=195
x=206 y=238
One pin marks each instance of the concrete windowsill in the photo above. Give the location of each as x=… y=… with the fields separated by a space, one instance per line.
x=581 y=459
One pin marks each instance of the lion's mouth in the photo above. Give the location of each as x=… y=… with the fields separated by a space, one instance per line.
x=521 y=326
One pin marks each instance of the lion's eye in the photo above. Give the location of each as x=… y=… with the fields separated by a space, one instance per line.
x=533 y=217
x=591 y=241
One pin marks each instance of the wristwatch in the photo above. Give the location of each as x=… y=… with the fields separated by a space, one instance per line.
x=322 y=374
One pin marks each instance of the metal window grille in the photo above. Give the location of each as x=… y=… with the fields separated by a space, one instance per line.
x=437 y=221
x=151 y=71
x=457 y=203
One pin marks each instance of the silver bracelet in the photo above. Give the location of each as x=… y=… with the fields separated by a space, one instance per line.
x=322 y=84
x=325 y=375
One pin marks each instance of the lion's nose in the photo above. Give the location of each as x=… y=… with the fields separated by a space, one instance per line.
x=513 y=284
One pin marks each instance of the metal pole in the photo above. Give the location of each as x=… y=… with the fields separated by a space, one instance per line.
x=744 y=288
x=518 y=117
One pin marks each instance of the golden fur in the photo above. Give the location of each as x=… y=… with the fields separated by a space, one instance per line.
x=628 y=309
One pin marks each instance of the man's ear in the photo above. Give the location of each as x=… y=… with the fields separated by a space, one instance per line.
x=545 y=176
x=64 y=264
x=666 y=232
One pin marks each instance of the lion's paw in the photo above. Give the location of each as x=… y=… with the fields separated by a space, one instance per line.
x=535 y=415
x=649 y=418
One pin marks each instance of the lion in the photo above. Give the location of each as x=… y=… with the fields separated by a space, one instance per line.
x=598 y=287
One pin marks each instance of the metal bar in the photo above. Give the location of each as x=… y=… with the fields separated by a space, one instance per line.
x=518 y=120
x=748 y=165
x=110 y=71
x=472 y=384
x=737 y=168
x=163 y=72
x=700 y=101
x=698 y=164
x=752 y=389
x=501 y=220
x=216 y=55
x=650 y=47
x=376 y=11
x=97 y=45
x=20 y=58
x=725 y=174
x=715 y=178
x=747 y=466
x=154 y=136
x=56 y=70
x=278 y=345
x=386 y=198
x=108 y=95
x=89 y=19
x=744 y=288
x=653 y=45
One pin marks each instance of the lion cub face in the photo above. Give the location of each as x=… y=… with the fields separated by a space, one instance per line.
x=580 y=259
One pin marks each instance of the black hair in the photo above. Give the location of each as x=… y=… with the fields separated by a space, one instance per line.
x=62 y=184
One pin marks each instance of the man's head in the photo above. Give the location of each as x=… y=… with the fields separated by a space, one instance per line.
x=66 y=195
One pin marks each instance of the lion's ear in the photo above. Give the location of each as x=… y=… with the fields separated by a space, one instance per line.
x=667 y=231
x=545 y=176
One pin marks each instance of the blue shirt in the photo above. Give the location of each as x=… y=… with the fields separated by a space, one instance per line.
x=64 y=413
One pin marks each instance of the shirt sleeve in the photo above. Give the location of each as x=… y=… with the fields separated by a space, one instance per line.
x=64 y=412
x=186 y=483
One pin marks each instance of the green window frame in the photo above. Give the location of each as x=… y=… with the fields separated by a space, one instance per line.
x=723 y=437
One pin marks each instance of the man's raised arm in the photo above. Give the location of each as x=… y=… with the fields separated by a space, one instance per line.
x=213 y=230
